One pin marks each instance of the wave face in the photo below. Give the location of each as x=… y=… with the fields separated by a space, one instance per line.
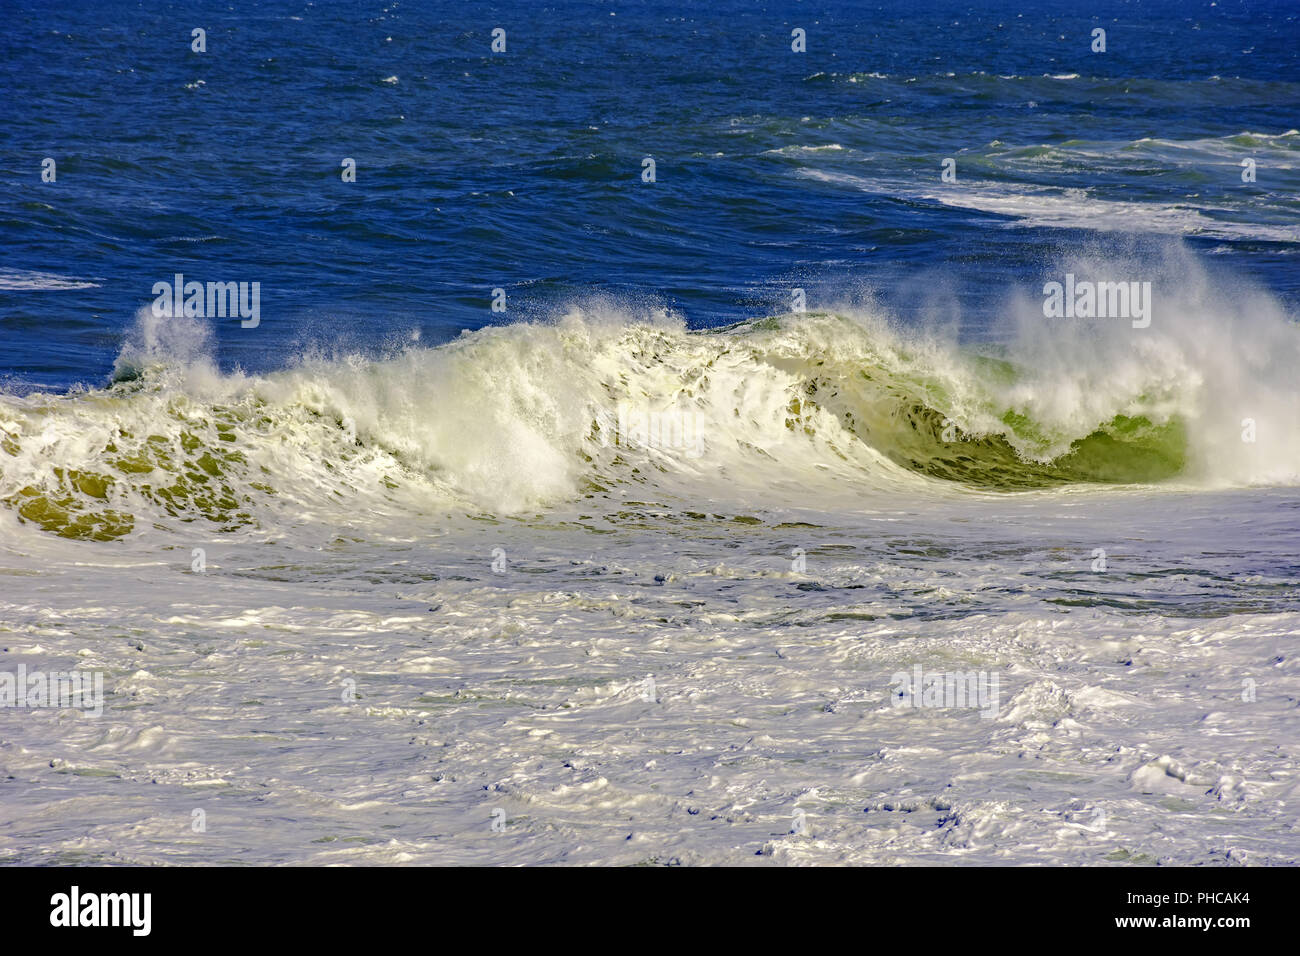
x=831 y=406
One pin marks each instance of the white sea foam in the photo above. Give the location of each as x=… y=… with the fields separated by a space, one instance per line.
x=1074 y=209
x=1066 y=207
x=462 y=595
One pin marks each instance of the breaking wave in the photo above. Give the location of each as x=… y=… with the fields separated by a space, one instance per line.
x=826 y=407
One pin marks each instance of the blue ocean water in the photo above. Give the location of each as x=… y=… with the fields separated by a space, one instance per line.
x=522 y=169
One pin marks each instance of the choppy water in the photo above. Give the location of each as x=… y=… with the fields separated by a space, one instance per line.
x=631 y=568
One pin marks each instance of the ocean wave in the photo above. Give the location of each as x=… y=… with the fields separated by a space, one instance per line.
x=1072 y=208
x=1266 y=216
x=25 y=281
x=826 y=406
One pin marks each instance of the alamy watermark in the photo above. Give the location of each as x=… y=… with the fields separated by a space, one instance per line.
x=78 y=690
x=215 y=300
x=130 y=910
x=674 y=429
x=944 y=689
x=1084 y=299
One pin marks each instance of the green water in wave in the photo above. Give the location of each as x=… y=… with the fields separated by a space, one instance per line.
x=1125 y=450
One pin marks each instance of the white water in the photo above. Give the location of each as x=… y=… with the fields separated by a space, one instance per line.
x=1263 y=209
x=769 y=582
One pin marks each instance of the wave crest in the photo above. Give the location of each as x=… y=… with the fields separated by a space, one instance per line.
x=824 y=408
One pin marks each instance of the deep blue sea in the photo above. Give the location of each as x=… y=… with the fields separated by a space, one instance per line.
x=521 y=170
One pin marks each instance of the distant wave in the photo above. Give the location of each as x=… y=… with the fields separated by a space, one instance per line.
x=22 y=280
x=1007 y=180
x=1071 y=208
